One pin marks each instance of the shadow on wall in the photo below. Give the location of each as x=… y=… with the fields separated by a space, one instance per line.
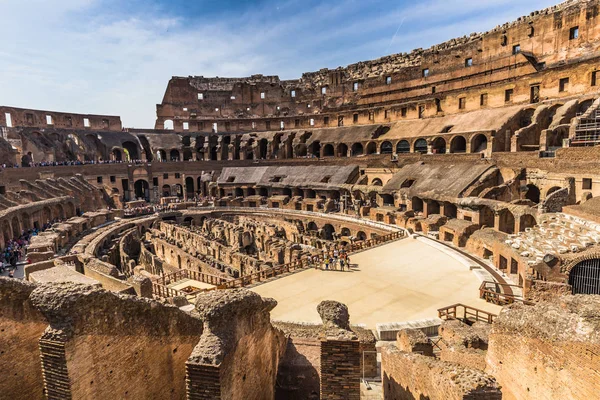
x=297 y=377
x=395 y=391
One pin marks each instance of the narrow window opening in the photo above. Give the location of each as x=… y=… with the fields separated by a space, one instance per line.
x=563 y=85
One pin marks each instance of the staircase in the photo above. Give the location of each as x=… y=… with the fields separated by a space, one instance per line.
x=587 y=131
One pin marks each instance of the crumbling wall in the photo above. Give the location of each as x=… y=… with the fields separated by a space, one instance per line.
x=463 y=344
x=238 y=353
x=408 y=376
x=549 y=350
x=21 y=326
x=103 y=345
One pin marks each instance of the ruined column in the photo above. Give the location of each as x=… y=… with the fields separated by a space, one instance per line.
x=239 y=351
x=340 y=354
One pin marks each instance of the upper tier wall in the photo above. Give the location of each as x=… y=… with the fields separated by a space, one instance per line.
x=537 y=50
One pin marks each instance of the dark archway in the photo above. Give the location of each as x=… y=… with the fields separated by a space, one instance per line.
x=584 y=278
x=403 y=147
x=131 y=151
x=263 y=145
x=506 y=222
x=420 y=146
x=438 y=146
x=189 y=186
x=174 y=155
x=386 y=148
x=328 y=232
x=532 y=193
x=376 y=182
x=342 y=150
x=417 y=204
x=328 y=150
x=166 y=190
x=526 y=221
x=315 y=148
x=357 y=149
x=117 y=156
x=458 y=145
x=478 y=143
x=371 y=148
x=187 y=155
x=142 y=189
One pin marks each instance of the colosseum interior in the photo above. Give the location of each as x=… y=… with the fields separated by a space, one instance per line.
x=421 y=226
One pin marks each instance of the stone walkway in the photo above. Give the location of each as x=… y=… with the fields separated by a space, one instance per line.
x=401 y=281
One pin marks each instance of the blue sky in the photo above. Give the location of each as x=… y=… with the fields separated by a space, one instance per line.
x=116 y=56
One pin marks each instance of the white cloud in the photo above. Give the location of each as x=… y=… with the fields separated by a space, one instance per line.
x=82 y=57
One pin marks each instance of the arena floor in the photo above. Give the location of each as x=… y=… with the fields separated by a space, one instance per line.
x=401 y=281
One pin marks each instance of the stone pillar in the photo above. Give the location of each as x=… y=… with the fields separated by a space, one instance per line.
x=239 y=351
x=340 y=354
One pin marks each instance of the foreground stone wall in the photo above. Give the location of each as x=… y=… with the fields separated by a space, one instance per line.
x=102 y=345
x=21 y=326
x=408 y=376
x=548 y=351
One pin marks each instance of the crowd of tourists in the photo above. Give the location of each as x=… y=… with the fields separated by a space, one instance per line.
x=144 y=210
x=331 y=260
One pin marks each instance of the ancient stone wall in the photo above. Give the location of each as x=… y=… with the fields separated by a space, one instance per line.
x=97 y=344
x=547 y=351
x=21 y=326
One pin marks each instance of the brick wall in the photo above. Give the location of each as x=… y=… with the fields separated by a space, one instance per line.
x=409 y=376
x=340 y=369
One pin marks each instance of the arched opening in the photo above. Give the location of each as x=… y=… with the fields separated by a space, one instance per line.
x=161 y=155
x=238 y=192
x=438 y=146
x=301 y=150
x=486 y=217
x=360 y=235
x=263 y=144
x=131 y=149
x=458 y=145
x=403 y=147
x=506 y=222
x=168 y=124
x=178 y=190
x=386 y=148
x=187 y=155
x=478 y=143
x=116 y=153
x=315 y=148
x=376 y=182
x=433 y=207
x=263 y=191
x=584 y=278
x=142 y=189
x=328 y=232
x=251 y=191
x=174 y=155
x=345 y=232
x=310 y=194
x=526 y=221
x=388 y=200
x=371 y=148
x=552 y=190
x=26 y=160
x=450 y=210
x=342 y=150
x=328 y=150
x=312 y=226
x=421 y=146
x=166 y=191
x=532 y=193
x=186 y=140
x=417 y=204
x=189 y=186
x=357 y=149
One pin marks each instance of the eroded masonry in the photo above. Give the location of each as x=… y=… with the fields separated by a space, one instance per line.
x=136 y=256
